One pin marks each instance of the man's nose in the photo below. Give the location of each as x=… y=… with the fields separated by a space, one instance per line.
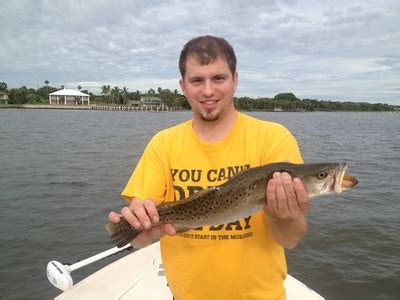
x=208 y=88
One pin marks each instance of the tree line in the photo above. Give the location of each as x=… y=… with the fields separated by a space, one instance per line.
x=122 y=96
x=289 y=102
x=173 y=98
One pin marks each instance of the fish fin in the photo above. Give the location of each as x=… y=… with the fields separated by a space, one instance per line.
x=204 y=192
x=183 y=229
x=121 y=233
x=165 y=205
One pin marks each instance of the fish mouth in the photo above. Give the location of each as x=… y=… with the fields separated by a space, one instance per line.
x=348 y=182
x=344 y=181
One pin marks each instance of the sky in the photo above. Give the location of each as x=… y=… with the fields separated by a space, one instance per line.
x=335 y=50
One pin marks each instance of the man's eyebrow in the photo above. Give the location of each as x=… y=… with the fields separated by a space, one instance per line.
x=221 y=75
x=196 y=77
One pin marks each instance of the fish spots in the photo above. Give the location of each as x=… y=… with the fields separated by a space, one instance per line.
x=218 y=196
x=186 y=182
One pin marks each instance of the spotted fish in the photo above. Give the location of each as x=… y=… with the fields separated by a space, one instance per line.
x=239 y=197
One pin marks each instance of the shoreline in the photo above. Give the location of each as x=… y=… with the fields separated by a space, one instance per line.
x=44 y=106
x=107 y=107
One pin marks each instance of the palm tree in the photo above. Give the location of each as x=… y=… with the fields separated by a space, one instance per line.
x=125 y=95
x=137 y=95
x=116 y=95
x=79 y=87
x=106 y=90
x=46 y=82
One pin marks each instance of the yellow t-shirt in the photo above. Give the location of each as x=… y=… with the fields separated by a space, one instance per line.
x=238 y=260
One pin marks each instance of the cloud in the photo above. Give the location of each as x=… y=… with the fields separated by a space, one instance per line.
x=332 y=50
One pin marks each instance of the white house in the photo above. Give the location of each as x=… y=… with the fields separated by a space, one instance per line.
x=69 y=97
x=150 y=100
x=3 y=97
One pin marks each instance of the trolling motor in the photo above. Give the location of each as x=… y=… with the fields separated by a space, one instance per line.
x=59 y=274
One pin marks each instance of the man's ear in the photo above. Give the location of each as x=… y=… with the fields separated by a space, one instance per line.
x=182 y=85
x=236 y=80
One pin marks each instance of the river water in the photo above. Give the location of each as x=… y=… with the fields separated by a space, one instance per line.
x=62 y=171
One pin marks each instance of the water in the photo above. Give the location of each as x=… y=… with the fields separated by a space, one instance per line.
x=61 y=172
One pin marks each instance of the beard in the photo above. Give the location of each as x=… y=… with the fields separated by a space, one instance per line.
x=210 y=117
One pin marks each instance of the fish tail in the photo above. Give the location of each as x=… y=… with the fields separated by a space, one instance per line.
x=121 y=233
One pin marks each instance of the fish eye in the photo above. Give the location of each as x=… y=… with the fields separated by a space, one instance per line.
x=322 y=175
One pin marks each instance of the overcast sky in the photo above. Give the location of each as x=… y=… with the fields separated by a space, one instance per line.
x=327 y=50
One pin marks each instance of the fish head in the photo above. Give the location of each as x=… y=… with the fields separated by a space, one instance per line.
x=325 y=178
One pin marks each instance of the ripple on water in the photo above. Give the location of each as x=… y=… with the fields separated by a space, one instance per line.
x=57 y=186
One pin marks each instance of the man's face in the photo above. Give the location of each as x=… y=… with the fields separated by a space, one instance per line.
x=209 y=88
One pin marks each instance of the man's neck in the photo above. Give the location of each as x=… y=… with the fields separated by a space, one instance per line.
x=214 y=131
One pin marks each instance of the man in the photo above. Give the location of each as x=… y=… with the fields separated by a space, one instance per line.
x=239 y=260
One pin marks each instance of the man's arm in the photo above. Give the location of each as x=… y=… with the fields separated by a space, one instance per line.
x=287 y=204
x=142 y=215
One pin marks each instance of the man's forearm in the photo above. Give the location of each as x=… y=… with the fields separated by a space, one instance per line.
x=288 y=233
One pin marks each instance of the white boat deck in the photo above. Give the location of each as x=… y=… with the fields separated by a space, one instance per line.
x=140 y=275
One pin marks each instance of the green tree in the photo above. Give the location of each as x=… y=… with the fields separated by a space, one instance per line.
x=286 y=96
x=125 y=95
x=32 y=98
x=106 y=91
x=136 y=95
x=46 y=82
x=116 y=95
x=3 y=86
x=19 y=95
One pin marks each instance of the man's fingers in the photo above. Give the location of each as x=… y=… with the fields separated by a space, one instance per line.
x=169 y=229
x=114 y=217
x=289 y=191
x=151 y=209
x=272 y=206
x=156 y=233
x=138 y=209
x=146 y=237
x=282 y=205
x=130 y=217
x=302 y=196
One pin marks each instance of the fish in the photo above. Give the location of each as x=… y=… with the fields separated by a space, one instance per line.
x=239 y=197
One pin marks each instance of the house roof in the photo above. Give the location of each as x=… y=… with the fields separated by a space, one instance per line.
x=68 y=92
x=149 y=98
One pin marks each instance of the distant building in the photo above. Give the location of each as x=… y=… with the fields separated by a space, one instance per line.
x=3 y=97
x=69 y=97
x=135 y=102
x=150 y=100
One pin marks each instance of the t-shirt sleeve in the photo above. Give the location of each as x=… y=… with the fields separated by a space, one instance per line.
x=282 y=147
x=148 y=179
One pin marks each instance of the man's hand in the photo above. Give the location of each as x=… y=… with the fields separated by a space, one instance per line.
x=287 y=198
x=287 y=204
x=143 y=215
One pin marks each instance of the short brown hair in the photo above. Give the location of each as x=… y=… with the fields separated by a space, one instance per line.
x=206 y=49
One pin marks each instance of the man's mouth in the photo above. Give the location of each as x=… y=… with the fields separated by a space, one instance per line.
x=208 y=102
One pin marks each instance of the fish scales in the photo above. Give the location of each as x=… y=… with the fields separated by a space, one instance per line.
x=239 y=197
